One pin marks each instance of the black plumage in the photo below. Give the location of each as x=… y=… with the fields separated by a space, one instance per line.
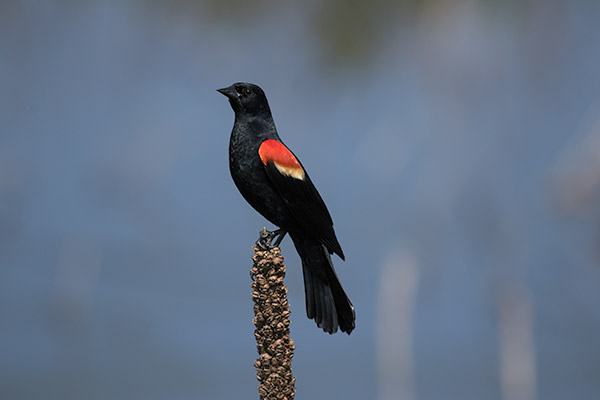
x=273 y=181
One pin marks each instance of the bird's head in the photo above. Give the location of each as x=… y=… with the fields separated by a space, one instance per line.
x=246 y=98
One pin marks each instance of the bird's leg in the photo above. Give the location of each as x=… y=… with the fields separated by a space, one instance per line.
x=281 y=233
x=266 y=237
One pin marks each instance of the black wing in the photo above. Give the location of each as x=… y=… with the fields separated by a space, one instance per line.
x=298 y=192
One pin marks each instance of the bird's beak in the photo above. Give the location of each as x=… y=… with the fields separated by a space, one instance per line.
x=229 y=92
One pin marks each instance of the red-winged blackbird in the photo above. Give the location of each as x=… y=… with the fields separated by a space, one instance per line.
x=275 y=183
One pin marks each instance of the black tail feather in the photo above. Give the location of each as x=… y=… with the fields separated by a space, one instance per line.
x=326 y=301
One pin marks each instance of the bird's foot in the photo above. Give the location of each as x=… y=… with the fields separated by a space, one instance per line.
x=266 y=237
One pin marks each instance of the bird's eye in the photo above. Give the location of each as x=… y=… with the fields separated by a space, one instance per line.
x=247 y=91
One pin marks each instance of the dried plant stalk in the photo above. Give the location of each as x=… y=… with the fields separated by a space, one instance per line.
x=271 y=319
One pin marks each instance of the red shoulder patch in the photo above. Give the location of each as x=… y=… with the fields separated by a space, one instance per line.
x=273 y=151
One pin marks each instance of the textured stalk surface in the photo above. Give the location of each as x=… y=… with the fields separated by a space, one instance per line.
x=271 y=319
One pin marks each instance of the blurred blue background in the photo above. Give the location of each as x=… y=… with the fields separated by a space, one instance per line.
x=457 y=145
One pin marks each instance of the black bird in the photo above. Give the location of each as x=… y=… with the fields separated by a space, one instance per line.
x=274 y=182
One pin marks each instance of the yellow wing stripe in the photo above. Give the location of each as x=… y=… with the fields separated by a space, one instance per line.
x=286 y=163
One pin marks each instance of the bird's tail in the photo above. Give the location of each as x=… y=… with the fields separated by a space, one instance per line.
x=326 y=301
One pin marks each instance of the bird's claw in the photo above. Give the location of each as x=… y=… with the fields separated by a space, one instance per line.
x=265 y=238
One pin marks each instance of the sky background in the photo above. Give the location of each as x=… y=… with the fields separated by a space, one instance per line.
x=457 y=145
